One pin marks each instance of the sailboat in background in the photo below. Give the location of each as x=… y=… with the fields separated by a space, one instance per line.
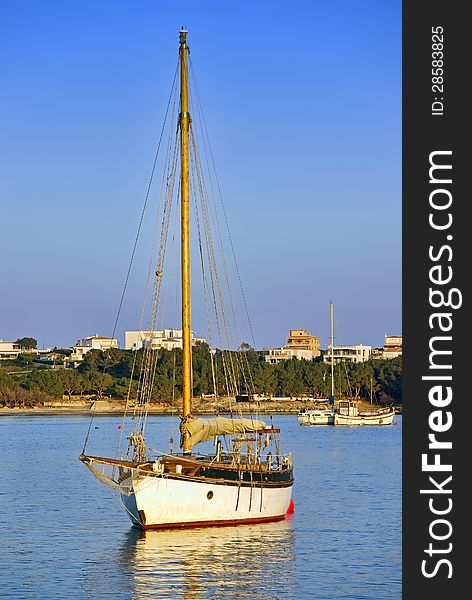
x=322 y=415
x=348 y=413
x=246 y=479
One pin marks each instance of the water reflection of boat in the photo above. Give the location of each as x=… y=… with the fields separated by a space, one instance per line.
x=210 y=563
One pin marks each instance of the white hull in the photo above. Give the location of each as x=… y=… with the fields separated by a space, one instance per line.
x=316 y=417
x=385 y=418
x=160 y=501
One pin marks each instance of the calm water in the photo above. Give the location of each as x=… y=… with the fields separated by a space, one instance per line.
x=63 y=536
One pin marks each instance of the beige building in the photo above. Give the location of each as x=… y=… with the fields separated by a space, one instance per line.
x=165 y=338
x=300 y=339
x=355 y=354
x=300 y=344
x=392 y=346
x=93 y=342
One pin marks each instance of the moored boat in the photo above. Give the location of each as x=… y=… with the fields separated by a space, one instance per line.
x=247 y=479
x=322 y=415
x=316 y=416
x=348 y=414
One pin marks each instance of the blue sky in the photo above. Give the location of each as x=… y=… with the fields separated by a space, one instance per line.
x=303 y=107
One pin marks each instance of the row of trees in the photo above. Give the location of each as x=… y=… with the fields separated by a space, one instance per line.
x=112 y=371
x=45 y=384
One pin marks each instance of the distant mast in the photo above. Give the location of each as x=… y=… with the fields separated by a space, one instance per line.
x=331 y=320
x=185 y=121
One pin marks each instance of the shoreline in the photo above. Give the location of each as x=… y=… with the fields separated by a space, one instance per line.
x=117 y=409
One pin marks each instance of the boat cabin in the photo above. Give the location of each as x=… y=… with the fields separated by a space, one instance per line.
x=348 y=408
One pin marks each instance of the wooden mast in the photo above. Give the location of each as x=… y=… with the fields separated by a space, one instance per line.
x=185 y=250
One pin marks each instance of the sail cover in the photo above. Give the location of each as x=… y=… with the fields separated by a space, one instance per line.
x=201 y=430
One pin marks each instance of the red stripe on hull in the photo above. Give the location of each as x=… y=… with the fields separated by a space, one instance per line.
x=232 y=522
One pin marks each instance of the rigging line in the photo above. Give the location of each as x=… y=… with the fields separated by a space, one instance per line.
x=173 y=399
x=117 y=498
x=213 y=265
x=137 y=235
x=214 y=303
x=214 y=270
x=208 y=215
x=156 y=229
x=148 y=191
x=154 y=356
x=167 y=171
x=205 y=295
x=207 y=229
x=214 y=279
x=171 y=260
x=156 y=284
x=217 y=228
x=150 y=358
x=199 y=104
x=240 y=358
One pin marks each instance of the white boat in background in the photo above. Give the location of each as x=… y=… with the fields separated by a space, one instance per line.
x=316 y=416
x=322 y=415
x=348 y=414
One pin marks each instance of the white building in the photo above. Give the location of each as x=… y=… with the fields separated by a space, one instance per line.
x=93 y=342
x=276 y=355
x=165 y=338
x=52 y=357
x=355 y=354
x=9 y=349
x=12 y=350
x=392 y=346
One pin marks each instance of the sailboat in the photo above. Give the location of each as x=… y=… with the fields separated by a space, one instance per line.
x=245 y=480
x=348 y=413
x=322 y=415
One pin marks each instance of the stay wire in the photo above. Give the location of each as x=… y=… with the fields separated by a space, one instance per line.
x=148 y=191
x=192 y=71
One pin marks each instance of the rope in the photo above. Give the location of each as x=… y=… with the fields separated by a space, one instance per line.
x=222 y=203
x=241 y=357
x=133 y=252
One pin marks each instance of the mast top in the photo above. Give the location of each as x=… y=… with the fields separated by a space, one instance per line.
x=183 y=36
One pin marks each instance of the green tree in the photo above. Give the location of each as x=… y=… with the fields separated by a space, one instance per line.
x=93 y=360
x=6 y=380
x=69 y=381
x=25 y=359
x=317 y=379
x=46 y=381
x=244 y=347
x=388 y=374
x=360 y=376
x=264 y=378
x=121 y=387
x=80 y=384
x=98 y=382
x=27 y=343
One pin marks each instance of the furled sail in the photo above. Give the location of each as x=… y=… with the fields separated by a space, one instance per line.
x=201 y=430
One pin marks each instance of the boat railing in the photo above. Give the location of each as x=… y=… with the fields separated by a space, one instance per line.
x=268 y=461
x=272 y=462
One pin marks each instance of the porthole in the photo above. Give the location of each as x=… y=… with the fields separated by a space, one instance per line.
x=210 y=495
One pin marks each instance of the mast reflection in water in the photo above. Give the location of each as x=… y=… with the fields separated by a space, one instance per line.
x=219 y=562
